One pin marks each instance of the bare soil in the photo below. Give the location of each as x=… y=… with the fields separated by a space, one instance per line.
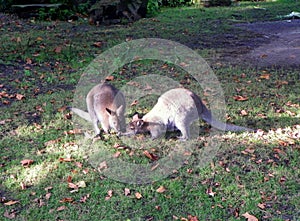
x=279 y=44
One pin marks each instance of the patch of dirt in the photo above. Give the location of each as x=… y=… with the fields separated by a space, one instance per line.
x=281 y=47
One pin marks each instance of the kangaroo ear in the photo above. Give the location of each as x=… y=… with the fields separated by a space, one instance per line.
x=119 y=110
x=139 y=123
x=135 y=117
x=109 y=111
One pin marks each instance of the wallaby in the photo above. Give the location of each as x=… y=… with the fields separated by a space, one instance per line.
x=106 y=105
x=177 y=108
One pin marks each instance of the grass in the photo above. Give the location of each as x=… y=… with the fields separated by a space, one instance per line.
x=254 y=173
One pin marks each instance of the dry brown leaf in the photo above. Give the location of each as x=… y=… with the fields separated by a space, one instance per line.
x=102 y=165
x=11 y=202
x=58 y=49
x=249 y=217
x=75 y=131
x=84 y=198
x=72 y=186
x=26 y=162
x=47 y=196
x=138 y=195
x=66 y=200
x=149 y=155
x=210 y=192
x=10 y=215
x=65 y=159
x=161 y=189
x=265 y=76
x=98 y=44
x=192 y=218
x=154 y=167
x=117 y=154
x=39 y=39
x=110 y=78
x=244 y=113
x=240 y=98
x=23 y=186
x=109 y=195
x=19 y=96
x=134 y=103
x=261 y=205
x=126 y=191
x=61 y=208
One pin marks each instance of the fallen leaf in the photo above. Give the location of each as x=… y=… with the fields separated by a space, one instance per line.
x=66 y=200
x=154 y=167
x=210 y=192
x=102 y=165
x=78 y=164
x=134 y=103
x=61 y=208
x=148 y=88
x=265 y=76
x=26 y=162
x=65 y=159
x=261 y=205
x=192 y=218
x=240 y=98
x=72 y=186
x=84 y=198
x=11 y=202
x=110 y=78
x=109 y=195
x=10 y=215
x=138 y=195
x=151 y=156
x=85 y=171
x=161 y=189
x=249 y=217
x=47 y=196
x=23 y=186
x=19 y=96
x=75 y=131
x=126 y=191
x=244 y=113
x=117 y=154
x=81 y=184
x=58 y=49
x=39 y=39
x=97 y=44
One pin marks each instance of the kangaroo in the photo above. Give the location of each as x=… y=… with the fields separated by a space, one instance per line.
x=106 y=105
x=177 y=108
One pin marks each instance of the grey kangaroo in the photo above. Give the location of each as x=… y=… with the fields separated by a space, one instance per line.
x=177 y=108
x=106 y=105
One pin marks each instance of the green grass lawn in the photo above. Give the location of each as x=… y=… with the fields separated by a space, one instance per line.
x=46 y=167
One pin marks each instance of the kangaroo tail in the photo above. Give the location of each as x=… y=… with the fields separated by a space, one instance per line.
x=81 y=113
x=207 y=116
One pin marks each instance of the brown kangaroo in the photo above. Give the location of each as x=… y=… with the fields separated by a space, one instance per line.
x=106 y=105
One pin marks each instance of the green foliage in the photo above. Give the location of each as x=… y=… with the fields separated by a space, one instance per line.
x=220 y=2
x=153 y=7
x=176 y=3
x=5 y=4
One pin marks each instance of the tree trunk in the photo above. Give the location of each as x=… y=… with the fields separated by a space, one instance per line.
x=112 y=11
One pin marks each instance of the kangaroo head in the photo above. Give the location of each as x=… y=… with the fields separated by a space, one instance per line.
x=113 y=119
x=136 y=125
